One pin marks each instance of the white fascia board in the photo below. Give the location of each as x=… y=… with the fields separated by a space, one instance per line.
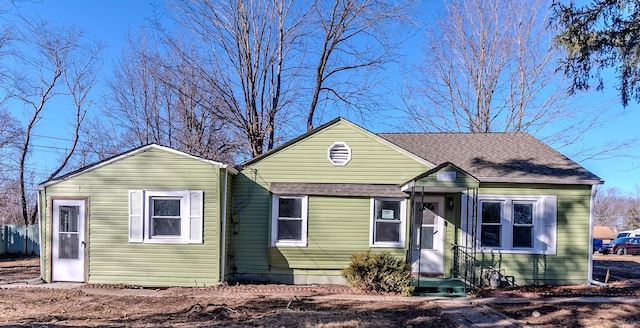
x=540 y=181
x=136 y=152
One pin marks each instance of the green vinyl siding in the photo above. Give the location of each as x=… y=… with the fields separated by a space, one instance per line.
x=337 y=227
x=229 y=224
x=373 y=161
x=451 y=217
x=111 y=257
x=570 y=264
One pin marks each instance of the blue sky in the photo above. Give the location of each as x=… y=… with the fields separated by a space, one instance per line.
x=109 y=21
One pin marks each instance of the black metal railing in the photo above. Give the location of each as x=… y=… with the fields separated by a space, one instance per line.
x=464 y=265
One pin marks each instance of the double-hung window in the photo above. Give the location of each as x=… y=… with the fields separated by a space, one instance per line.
x=517 y=224
x=289 y=221
x=523 y=224
x=388 y=221
x=165 y=216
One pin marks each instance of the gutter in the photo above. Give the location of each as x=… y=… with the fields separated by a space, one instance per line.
x=223 y=232
x=590 y=280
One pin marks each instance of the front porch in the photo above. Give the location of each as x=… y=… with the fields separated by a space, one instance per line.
x=442 y=209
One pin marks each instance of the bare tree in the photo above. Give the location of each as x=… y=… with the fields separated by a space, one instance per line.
x=491 y=66
x=10 y=212
x=355 y=42
x=10 y=136
x=609 y=207
x=156 y=97
x=10 y=130
x=242 y=48
x=53 y=61
x=245 y=70
x=137 y=101
x=632 y=216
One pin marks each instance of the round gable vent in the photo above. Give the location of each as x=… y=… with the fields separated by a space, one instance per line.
x=339 y=153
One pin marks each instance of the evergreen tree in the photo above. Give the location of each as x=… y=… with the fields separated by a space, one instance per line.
x=599 y=35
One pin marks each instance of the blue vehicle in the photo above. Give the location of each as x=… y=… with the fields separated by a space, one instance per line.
x=597 y=245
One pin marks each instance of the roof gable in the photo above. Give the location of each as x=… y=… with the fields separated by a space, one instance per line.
x=128 y=154
x=329 y=125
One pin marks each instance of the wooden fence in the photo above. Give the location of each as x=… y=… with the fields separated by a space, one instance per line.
x=20 y=239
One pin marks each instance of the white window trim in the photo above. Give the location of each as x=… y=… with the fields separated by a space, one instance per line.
x=507 y=223
x=274 y=222
x=184 y=217
x=403 y=223
x=191 y=224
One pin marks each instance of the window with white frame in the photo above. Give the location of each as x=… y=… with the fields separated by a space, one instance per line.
x=165 y=216
x=517 y=224
x=289 y=221
x=388 y=221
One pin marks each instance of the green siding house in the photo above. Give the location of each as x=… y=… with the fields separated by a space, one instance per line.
x=149 y=217
x=453 y=205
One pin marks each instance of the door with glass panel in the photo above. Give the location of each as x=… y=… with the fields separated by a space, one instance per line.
x=427 y=240
x=68 y=244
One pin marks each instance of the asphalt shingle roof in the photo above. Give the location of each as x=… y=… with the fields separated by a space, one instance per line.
x=493 y=156
x=337 y=189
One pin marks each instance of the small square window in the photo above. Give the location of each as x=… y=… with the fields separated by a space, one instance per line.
x=490 y=236
x=491 y=212
x=289 y=230
x=523 y=237
x=523 y=213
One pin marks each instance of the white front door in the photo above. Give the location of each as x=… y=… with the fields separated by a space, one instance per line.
x=68 y=244
x=427 y=228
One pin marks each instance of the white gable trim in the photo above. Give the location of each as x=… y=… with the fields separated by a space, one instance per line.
x=538 y=180
x=133 y=153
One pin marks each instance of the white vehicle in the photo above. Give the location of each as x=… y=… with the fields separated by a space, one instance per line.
x=629 y=233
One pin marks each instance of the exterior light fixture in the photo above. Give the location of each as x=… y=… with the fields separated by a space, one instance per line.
x=450 y=202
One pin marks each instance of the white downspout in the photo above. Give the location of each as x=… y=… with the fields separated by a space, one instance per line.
x=590 y=268
x=41 y=222
x=223 y=232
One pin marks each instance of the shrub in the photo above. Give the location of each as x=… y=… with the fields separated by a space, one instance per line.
x=379 y=272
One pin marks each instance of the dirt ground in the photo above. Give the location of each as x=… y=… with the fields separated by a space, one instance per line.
x=301 y=306
x=624 y=281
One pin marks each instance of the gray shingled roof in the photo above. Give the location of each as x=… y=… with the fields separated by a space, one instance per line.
x=494 y=156
x=336 y=189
